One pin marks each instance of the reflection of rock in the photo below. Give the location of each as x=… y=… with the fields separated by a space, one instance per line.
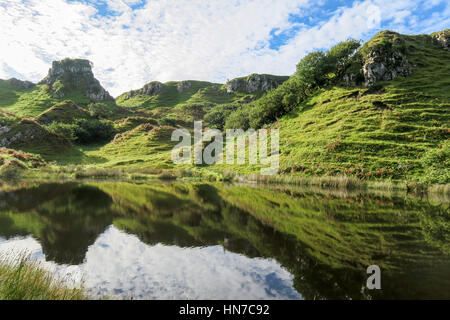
x=74 y=74
x=254 y=83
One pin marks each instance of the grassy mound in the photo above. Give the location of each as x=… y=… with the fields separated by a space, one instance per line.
x=64 y=112
x=9 y=157
x=30 y=136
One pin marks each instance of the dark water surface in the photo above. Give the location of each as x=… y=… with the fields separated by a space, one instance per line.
x=210 y=241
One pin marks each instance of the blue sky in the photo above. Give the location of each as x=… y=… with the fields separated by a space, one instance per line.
x=132 y=42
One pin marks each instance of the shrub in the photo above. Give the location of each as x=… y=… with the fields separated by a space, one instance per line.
x=239 y=119
x=313 y=68
x=217 y=116
x=84 y=130
x=436 y=163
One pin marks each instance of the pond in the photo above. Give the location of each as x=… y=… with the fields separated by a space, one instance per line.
x=213 y=241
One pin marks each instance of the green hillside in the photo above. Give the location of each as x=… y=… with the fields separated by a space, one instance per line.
x=385 y=131
x=182 y=102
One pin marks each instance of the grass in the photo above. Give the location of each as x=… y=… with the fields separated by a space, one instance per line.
x=27 y=280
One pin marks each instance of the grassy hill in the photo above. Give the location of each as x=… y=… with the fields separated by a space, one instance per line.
x=383 y=132
x=182 y=102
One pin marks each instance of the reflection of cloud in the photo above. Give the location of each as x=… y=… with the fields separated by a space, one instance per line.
x=118 y=264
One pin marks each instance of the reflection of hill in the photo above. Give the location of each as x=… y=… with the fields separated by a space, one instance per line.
x=65 y=218
x=325 y=240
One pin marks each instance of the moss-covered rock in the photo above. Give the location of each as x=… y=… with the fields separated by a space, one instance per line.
x=254 y=82
x=70 y=75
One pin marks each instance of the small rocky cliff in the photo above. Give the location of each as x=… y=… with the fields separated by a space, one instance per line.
x=150 y=89
x=385 y=59
x=442 y=38
x=74 y=75
x=254 y=82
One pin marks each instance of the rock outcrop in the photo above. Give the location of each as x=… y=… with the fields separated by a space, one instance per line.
x=254 y=83
x=16 y=83
x=150 y=89
x=183 y=85
x=442 y=38
x=29 y=132
x=386 y=62
x=74 y=75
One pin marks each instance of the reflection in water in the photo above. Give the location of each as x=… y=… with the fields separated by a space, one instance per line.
x=201 y=241
x=118 y=264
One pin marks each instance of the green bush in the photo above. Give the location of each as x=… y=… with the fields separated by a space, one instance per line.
x=217 y=116
x=436 y=163
x=238 y=119
x=84 y=130
x=313 y=68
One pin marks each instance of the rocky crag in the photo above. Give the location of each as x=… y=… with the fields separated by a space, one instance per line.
x=150 y=89
x=74 y=75
x=254 y=82
x=442 y=39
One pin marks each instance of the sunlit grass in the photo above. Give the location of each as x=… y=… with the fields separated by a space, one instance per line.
x=24 y=279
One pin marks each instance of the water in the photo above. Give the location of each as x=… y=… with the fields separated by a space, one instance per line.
x=211 y=241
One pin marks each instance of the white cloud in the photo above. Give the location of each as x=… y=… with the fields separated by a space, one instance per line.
x=176 y=39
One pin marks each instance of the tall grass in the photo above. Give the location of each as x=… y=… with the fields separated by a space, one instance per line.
x=328 y=182
x=23 y=279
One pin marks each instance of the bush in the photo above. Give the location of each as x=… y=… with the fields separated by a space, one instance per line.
x=238 y=119
x=270 y=107
x=217 y=116
x=436 y=163
x=313 y=68
x=67 y=130
x=84 y=130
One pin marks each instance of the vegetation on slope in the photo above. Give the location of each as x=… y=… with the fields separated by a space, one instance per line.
x=330 y=123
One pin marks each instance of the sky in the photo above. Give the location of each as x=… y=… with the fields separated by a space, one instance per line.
x=133 y=42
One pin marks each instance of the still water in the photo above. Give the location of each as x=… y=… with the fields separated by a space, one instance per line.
x=211 y=241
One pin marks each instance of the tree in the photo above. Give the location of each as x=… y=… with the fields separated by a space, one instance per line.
x=312 y=69
x=340 y=56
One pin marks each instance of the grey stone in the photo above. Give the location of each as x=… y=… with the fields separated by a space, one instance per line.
x=385 y=65
x=74 y=74
x=183 y=85
x=253 y=83
x=443 y=40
